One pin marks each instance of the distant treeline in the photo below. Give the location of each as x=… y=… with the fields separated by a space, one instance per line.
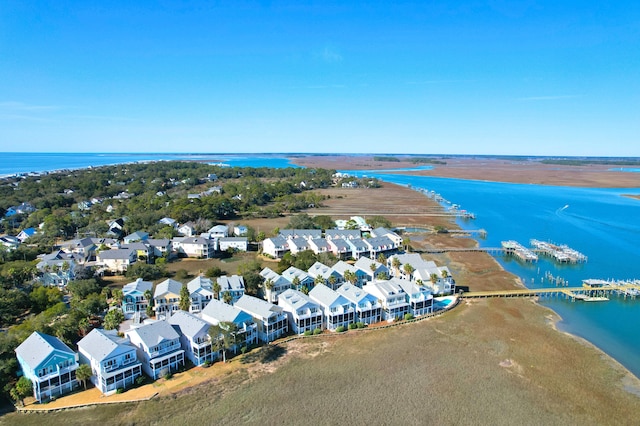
x=583 y=162
x=414 y=160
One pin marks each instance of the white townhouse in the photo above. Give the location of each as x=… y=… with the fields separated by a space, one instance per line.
x=159 y=247
x=298 y=278
x=425 y=272
x=419 y=296
x=134 y=301
x=368 y=308
x=234 y=285
x=197 y=247
x=358 y=248
x=49 y=364
x=384 y=232
x=372 y=268
x=201 y=293
x=218 y=313
x=274 y=284
x=391 y=296
x=330 y=276
x=167 y=298
x=219 y=231
x=319 y=245
x=187 y=229
x=194 y=337
x=233 y=243
x=158 y=348
x=117 y=260
x=344 y=234
x=301 y=233
x=270 y=319
x=298 y=244
x=337 y=309
x=113 y=360
x=343 y=267
x=340 y=248
x=275 y=247
x=303 y=313
x=379 y=245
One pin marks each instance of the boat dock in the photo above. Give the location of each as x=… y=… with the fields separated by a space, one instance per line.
x=560 y=253
x=516 y=249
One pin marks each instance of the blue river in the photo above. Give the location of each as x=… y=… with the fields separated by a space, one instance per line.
x=601 y=223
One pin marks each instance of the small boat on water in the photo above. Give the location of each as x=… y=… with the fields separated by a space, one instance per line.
x=596 y=299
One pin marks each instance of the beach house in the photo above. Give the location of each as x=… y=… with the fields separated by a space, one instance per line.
x=367 y=308
x=158 y=348
x=269 y=318
x=337 y=309
x=49 y=364
x=134 y=300
x=303 y=314
x=392 y=297
x=113 y=360
x=232 y=285
x=201 y=293
x=274 y=284
x=194 y=337
x=167 y=298
x=218 y=313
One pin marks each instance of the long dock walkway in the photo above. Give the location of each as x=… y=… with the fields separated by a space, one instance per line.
x=570 y=292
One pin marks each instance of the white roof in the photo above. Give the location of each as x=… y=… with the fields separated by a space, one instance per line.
x=138 y=285
x=217 y=311
x=292 y=300
x=154 y=333
x=188 y=324
x=355 y=294
x=101 y=344
x=257 y=307
x=327 y=297
x=167 y=286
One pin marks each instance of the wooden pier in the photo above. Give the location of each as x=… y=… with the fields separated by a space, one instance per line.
x=586 y=292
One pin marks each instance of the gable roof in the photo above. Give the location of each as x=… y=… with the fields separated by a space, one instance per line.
x=167 y=286
x=154 y=333
x=231 y=283
x=199 y=283
x=138 y=285
x=326 y=297
x=295 y=300
x=217 y=311
x=342 y=233
x=116 y=254
x=187 y=324
x=257 y=307
x=102 y=344
x=38 y=347
x=292 y=272
x=355 y=294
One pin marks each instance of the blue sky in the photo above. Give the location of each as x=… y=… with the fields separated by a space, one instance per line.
x=425 y=77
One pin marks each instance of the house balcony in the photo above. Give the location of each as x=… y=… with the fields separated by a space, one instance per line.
x=109 y=368
x=58 y=373
x=164 y=351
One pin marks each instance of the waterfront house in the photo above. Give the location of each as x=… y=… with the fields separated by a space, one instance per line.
x=275 y=247
x=342 y=268
x=201 y=293
x=298 y=278
x=392 y=297
x=371 y=267
x=303 y=314
x=158 y=348
x=419 y=296
x=134 y=301
x=194 y=337
x=298 y=244
x=367 y=308
x=379 y=245
x=319 y=245
x=118 y=260
x=113 y=360
x=218 y=313
x=384 y=232
x=274 y=284
x=167 y=298
x=269 y=318
x=49 y=364
x=330 y=276
x=233 y=285
x=337 y=309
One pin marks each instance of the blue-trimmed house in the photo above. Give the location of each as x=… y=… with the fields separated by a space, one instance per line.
x=49 y=364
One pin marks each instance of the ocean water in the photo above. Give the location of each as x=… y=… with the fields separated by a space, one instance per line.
x=21 y=162
x=601 y=223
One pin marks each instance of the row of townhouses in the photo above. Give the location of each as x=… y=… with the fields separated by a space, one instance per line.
x=341 y=243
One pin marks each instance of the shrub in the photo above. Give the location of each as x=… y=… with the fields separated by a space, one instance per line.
x=340 y=329
x=120 y=390
x=360 y=324
x=168 y=376
x=140 y=380
x=408 y=316
x=317 y=331
x=352 y=326
x=308 y=332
